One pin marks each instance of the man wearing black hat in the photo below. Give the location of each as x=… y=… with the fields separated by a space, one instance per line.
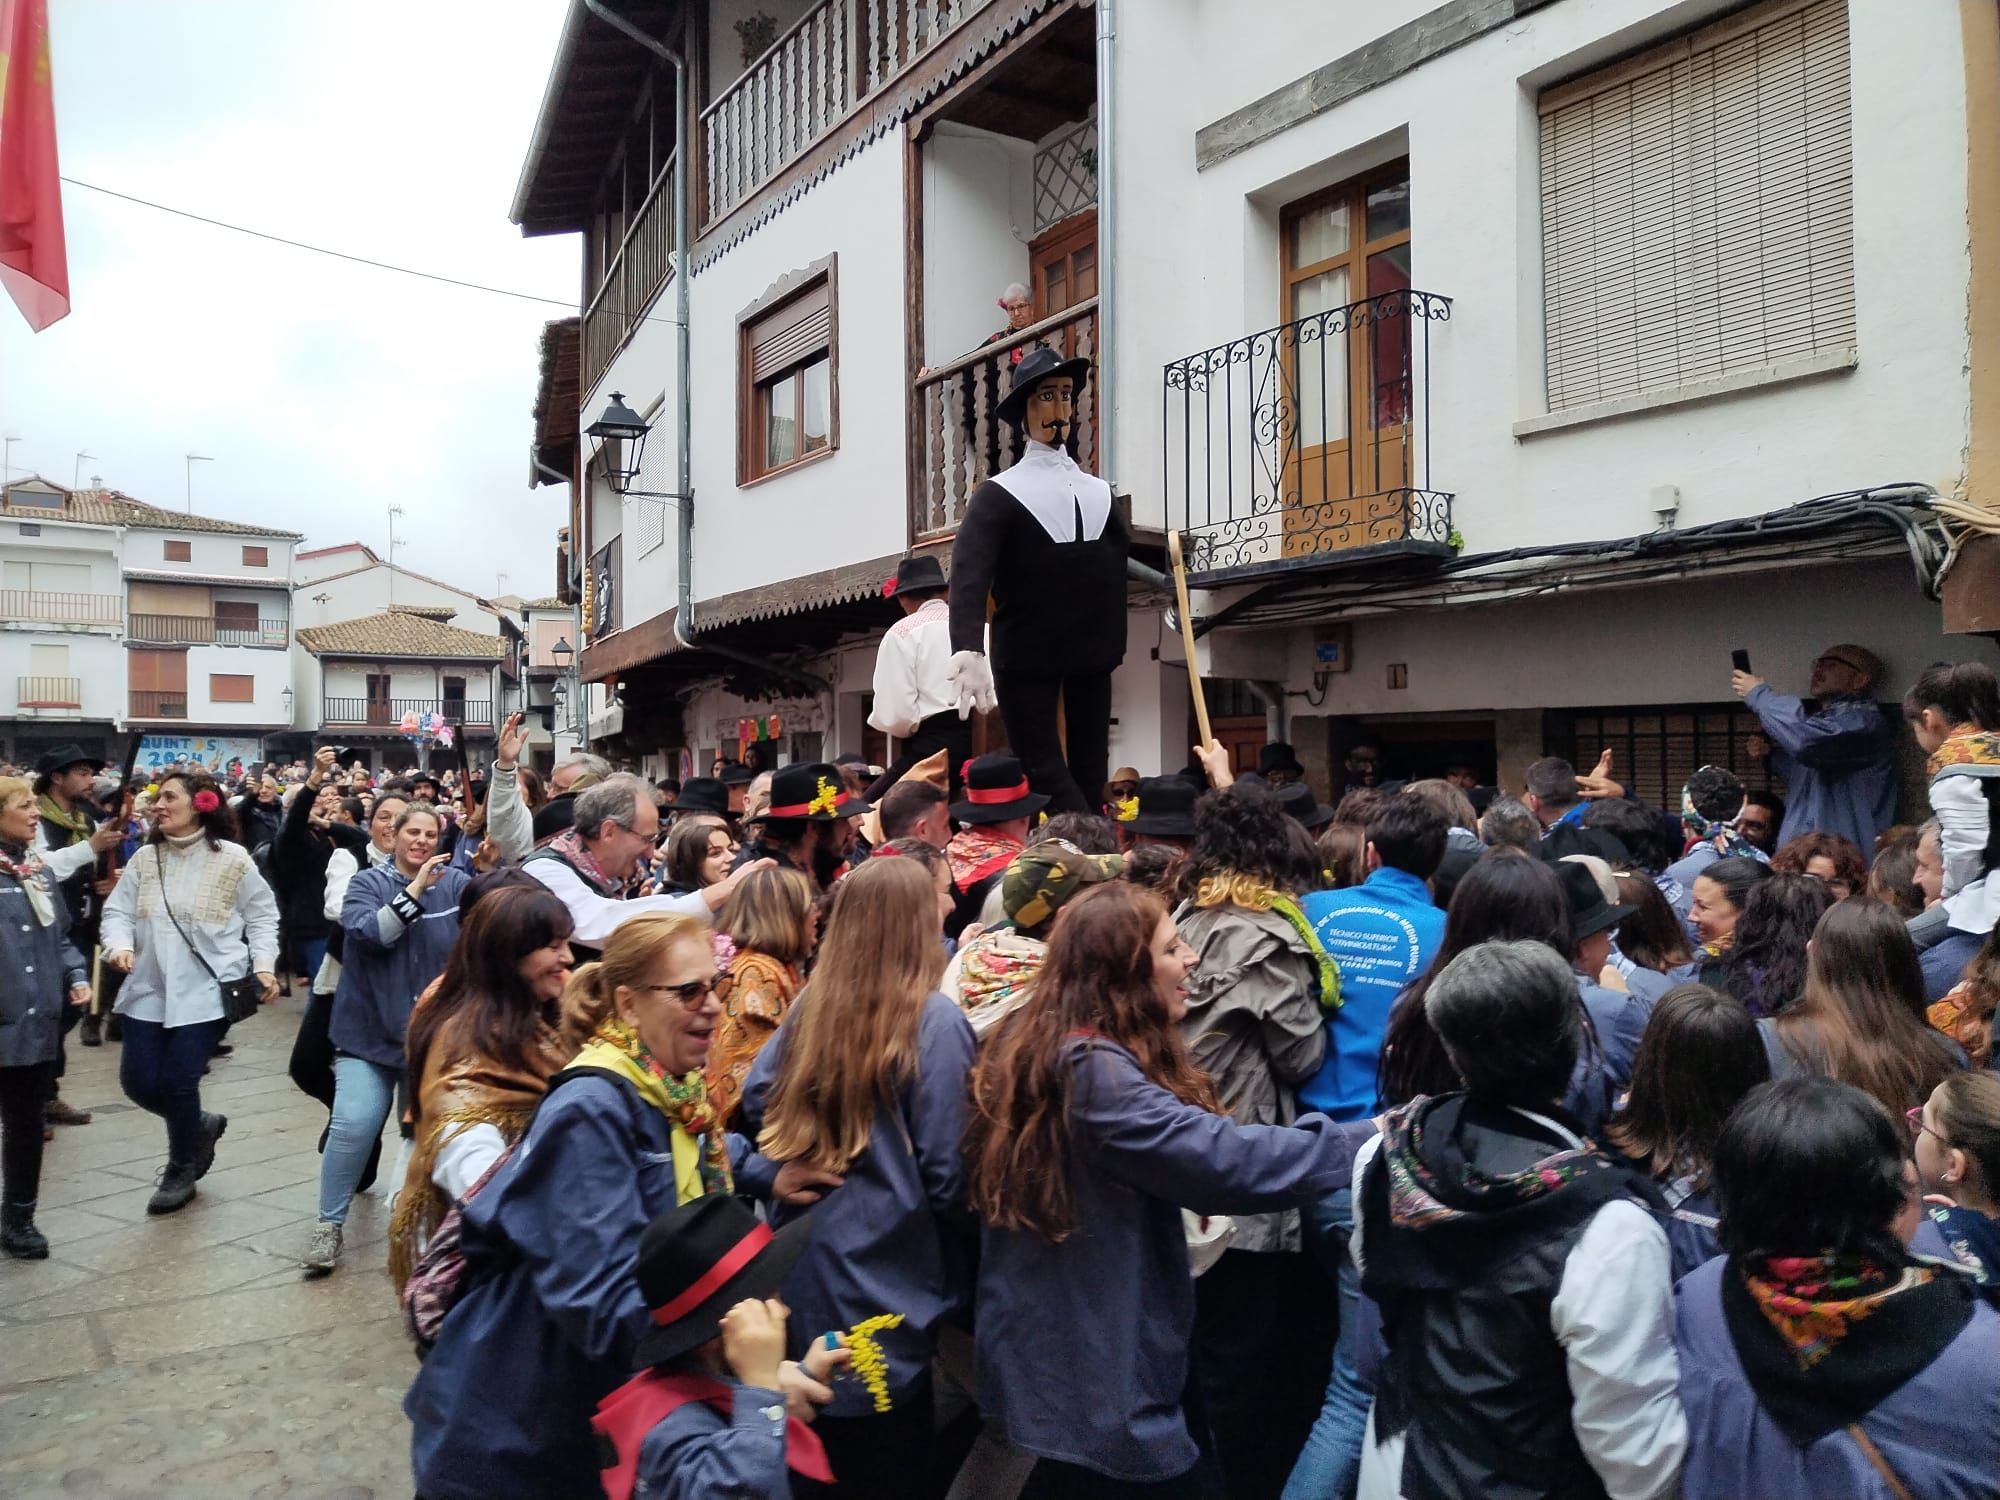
x=916 y=700
x=70 y=839
x=1045 y=542
x=807 y=824
x=1618 y=1018
x=1166 y=812
x=995 y=811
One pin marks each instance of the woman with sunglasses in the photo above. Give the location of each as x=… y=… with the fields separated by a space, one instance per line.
x=552 y=1320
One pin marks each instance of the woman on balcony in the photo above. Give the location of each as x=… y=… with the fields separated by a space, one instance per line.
x=191 y=911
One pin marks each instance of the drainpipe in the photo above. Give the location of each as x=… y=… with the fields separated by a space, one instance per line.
x=1107 y=234
x=1272 y=696
x=683 y=498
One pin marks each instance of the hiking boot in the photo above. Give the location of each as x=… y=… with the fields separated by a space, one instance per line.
x=212 y=1127
x=93 y=1031
x=175 y=1190
x=18 y=1235
x=59 y=1111
x=322 y=1250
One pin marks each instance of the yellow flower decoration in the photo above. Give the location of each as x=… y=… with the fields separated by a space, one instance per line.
x=1128 y=808
x=870 y=1363
x=827 y=800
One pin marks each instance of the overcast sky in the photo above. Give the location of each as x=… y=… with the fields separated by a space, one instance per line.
x=325 y=391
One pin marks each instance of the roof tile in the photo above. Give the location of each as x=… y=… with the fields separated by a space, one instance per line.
x=401 y=633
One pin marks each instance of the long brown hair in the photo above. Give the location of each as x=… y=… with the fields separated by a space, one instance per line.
x=1097 y=979
x=482 y=980
x=1700 y=1055
x=1861 y=1017
x=851 y=1036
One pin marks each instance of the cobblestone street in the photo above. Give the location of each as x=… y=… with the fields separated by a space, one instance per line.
x=184 y=1356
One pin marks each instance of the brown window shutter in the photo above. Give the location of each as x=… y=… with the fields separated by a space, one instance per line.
x=791 y=334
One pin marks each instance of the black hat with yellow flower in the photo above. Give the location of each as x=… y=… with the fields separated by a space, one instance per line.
x=813 y=793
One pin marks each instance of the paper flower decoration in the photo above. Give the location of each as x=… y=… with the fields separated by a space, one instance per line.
x=205 y=801
x=870 y=1363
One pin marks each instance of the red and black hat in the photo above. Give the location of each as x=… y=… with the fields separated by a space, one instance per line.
x=699 y=1260
x=921 y=574
x=813 y=792
x=996 y=791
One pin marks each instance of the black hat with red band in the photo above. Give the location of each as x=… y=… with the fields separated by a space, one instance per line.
x=813 y=792
x=996 y=791
x=699 y=1260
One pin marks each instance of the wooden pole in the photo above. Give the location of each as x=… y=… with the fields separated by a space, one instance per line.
x=1187 y=638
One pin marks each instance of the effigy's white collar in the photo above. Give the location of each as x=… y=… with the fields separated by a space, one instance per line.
x=1057 y=493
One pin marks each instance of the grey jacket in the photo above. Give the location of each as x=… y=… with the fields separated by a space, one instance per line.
x=38 y=965
x=1255 y=1028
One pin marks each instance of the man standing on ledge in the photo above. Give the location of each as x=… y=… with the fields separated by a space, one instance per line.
x=1045 y=542
x=1839 y=764
x=915 y=701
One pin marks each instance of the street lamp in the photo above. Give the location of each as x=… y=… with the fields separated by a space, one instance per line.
x=562 y=651
x=622 y=431
x=285 y=695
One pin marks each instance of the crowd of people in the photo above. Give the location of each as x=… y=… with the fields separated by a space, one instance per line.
x=778 y=1134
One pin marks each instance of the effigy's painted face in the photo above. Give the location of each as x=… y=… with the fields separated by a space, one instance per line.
x=1052 y=410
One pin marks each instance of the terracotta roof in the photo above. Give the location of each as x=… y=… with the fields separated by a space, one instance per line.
x=400 y=632
x=552 y=602
x=442 y=613
x=343 y=547
x=110 y=508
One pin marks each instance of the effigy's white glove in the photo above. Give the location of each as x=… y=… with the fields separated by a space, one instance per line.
x=973 y=678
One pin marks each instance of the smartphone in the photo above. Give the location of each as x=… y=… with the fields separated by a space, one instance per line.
x=1740 y=659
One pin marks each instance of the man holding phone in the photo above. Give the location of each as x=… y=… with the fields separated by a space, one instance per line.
x=1838 y=761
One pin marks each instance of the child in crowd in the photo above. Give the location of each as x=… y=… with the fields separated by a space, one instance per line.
x=721 y=1411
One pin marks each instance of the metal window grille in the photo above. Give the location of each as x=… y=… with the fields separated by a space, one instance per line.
x=1654 y=749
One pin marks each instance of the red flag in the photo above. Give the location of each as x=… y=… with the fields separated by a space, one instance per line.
x=33 y=264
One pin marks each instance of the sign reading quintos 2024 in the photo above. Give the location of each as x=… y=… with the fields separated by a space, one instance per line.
x=221 y=758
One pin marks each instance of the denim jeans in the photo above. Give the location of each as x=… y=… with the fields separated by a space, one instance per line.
x=1329 y=1467
x=362 y=1095
x=312 y=953
x=160 y=1071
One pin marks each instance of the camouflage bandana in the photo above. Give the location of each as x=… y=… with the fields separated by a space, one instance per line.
x=1044 y=876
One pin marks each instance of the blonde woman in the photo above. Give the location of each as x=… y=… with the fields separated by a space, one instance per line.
x=773 y=923
x=866 y=1080
x=502 y=1405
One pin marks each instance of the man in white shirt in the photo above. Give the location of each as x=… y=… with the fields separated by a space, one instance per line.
x=587 y=865
x=915 y=699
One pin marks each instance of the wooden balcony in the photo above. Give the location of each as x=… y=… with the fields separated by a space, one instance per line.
x=826 y=63
x=387 y=713
x=957 y=440
x=206 y=630
x=55 y=608
x=643 y=264
x=171 y=704
x=49 y=694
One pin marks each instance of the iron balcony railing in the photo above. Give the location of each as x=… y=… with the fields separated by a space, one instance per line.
x=957 y=439
x=58 y=608
x=48 y=693
x=387 y=713
x=172 y=704
x=205 y=630
x=1290 y=448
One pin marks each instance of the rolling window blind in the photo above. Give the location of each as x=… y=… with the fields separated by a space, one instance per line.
x=787 y=335
x=1697 y=214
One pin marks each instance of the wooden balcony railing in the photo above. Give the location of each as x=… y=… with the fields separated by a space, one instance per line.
x=160 y=705
x=48 y=692
x=387 y=713
x=957 y=440
x=642 y=264
x=204 y=630
x=829 y=60
x=61 y=608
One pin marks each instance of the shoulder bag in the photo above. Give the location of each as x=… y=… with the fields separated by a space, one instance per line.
x=241 y=998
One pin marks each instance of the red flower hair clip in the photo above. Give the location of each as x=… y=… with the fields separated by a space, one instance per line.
x=205 y=801
x=889 y=587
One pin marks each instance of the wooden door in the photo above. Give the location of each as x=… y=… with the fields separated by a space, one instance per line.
x=1343 y=361
x=378 y=698
x=1242 y=735
x=1064 y=264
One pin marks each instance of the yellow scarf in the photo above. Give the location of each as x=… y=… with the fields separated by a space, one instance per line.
x=701 y=1157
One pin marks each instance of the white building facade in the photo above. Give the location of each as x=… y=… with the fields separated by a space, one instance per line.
x=1504 y=365
x=122 y=617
